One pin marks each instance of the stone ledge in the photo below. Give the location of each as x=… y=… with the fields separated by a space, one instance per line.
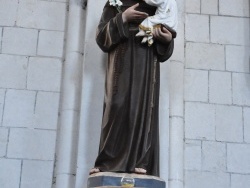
x=113 y=180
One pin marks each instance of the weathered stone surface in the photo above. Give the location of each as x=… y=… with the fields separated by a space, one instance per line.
x=19 y=108
x=197 y=179
x=10 y=173
x=8 y=12
x=196 y=85
x=205 y=56
x=37 y=174
x=193 y=6
x=50 y=81
x=238 y=158
x=50 y=43
x=223 y=28
x=197 y=28
x=31 y=144
x=14 y=71
x=237 y=58
x=240 y=181
x=41 y=15
x=2 y=99
x=46 y=110
x=246 y=114
x=220 y=90
x=214 y=156
x=241 y=89
x=234 y=7
x=3 y=141
x=200 y=121
x=209 y=7
x=229 y=123
x=193 y=151
x=19 y=41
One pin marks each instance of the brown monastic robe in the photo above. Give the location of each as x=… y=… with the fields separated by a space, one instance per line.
x=129 y=132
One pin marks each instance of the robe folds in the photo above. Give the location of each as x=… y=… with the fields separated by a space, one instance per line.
x=129 y=131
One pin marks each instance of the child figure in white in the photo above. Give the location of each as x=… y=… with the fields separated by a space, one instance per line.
x=166 y=15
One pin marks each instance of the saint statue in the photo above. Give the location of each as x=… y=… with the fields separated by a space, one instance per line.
x=129 y=140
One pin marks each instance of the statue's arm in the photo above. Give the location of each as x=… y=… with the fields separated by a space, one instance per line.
x=164 y=43
x=111 y=29
x=164 y=51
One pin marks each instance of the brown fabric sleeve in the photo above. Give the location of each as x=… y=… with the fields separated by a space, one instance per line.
x=164 y=51
x=111 y=29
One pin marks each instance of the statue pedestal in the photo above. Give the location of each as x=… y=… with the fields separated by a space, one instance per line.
x=113 y=180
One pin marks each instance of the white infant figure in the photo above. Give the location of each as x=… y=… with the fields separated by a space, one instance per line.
x=166 y=15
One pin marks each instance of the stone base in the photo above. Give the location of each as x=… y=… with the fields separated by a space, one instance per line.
x=113 y=180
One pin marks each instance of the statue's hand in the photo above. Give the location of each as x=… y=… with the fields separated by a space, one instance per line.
x=162 y=34
x=131 y=14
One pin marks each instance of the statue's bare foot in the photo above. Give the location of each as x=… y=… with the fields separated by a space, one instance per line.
x=94 y=170
x=140 y=171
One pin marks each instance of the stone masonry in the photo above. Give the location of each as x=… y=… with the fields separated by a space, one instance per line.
x=217 y=94
x=31 y=56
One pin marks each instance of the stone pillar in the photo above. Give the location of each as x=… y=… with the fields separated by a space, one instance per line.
x=70 y=99
x=176 y=130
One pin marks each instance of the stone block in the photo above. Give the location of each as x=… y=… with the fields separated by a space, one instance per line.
x=197 y=179
x=205 y=56
x=193 y=6
x=108 y=179
x=234 y=7
x=19 y=108
x=41 y=15
x=223 y=28
x=31 y=144
x=238 y=158
x=196 y=85
x=50 y=43
x=237 y=58
x=14 y=71
x=246 y=118
x=37 y=174
x=220 y=90
x=3 y=141
x=192 y=151
x=44 y=74
x=197 y=28
x=46 y=111
x=229 y=123
x=2 y=99
x=240 y=181
x=10 y=173
x=241 y=89
x=19 y=41
x=209 y=7
x=200 y=121
x=214 y=156
x=8 y=11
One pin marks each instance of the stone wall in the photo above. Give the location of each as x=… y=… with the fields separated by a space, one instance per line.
x=217 y=94
x=31 y=56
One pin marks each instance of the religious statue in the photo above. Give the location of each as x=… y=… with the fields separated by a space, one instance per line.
x=130 y=133
x=165 y=15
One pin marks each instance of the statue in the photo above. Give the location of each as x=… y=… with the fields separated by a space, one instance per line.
x=166 y=15
x=129 y=134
